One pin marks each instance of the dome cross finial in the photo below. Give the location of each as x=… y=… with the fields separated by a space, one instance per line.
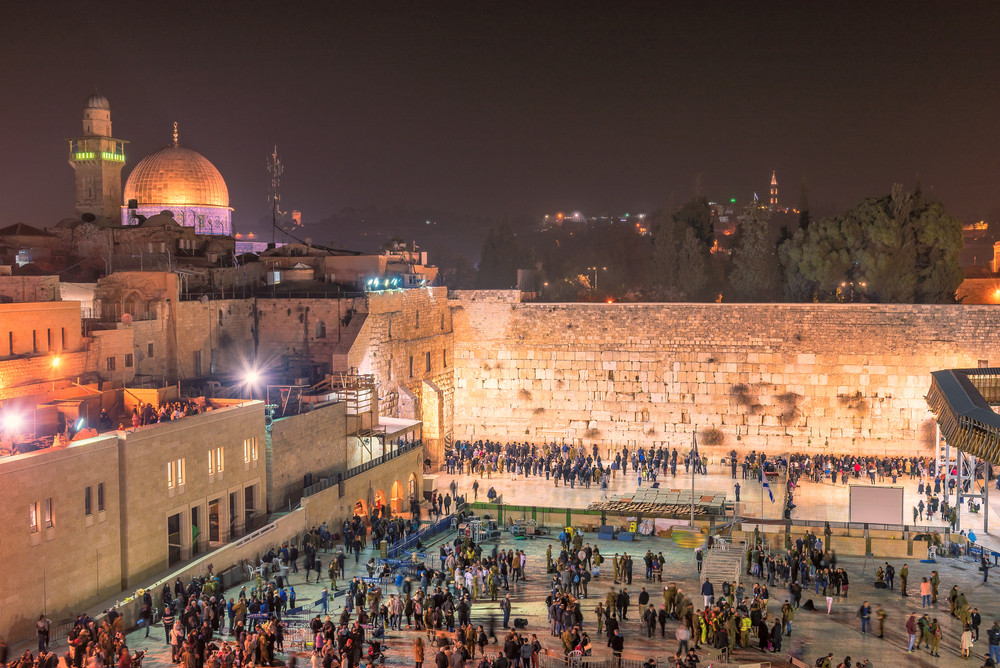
x=175 y=133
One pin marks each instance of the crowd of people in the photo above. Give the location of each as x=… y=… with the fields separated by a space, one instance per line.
x=145 y=413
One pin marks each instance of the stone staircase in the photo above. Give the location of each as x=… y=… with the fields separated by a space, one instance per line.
x=722 y=565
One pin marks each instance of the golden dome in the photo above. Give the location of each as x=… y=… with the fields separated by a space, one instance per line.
x=176 y=176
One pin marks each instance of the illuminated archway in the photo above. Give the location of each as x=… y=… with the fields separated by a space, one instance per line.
x=411 y=486
x=360 y=509
x=396 y=502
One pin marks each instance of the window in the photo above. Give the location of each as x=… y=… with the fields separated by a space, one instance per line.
x=111 y=363
x=417 y=320
x=388 y=337
x=215 y=461
x=320 y=330
x=427 y=360
x=34 y=341
x=197 y=362
x=49 y=520
x=411 y=366
x=100 y=497
x=444 y=358
x=48 y=339
x=984 y=364
x=149 y=350
x=389 y=370
x=442 y=321
x=128 y=360
x=63 y=346
x=87 y=510
x=175 y=473
x=249 y=450
x=10 y=343
x=33 y=517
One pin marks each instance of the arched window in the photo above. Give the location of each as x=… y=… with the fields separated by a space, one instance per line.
x=320 y=330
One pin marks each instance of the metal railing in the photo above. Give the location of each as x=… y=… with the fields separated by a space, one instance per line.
x=335 y=478
x=442 y=525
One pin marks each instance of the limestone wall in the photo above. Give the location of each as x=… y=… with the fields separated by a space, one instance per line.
x=74 y=560
x=822 y=377
x=313 y=442
x=407 y=342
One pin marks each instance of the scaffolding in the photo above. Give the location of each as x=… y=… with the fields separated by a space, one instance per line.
x=359 y=392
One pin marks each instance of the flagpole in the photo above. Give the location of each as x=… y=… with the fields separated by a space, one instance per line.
x=694 y=452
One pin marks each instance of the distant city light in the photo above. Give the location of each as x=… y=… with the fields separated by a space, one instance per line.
x=732 y=200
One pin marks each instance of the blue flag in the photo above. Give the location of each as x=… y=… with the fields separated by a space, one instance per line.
x=769 y=492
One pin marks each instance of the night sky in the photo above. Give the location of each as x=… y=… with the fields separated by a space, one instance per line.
x=516 y=108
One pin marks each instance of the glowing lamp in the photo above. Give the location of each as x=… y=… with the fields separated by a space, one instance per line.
x=11 y=423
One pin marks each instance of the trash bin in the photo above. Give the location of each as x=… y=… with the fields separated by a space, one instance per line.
x=383 y=549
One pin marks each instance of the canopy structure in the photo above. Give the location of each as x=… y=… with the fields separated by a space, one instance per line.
x=961 y=401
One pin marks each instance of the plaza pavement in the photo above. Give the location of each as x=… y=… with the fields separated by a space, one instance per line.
x=814 y=633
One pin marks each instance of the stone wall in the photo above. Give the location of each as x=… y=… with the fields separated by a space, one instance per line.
x=407 y=342
x=30 y=288
x=818 y=377
x=333 y=507
x=149 y=499
x=76 y=561
x=314 y=442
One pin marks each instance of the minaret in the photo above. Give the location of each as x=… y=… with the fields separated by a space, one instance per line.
x=98 y=159
x=774 y=191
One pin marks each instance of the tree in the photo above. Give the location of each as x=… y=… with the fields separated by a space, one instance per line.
x=691 y=276
x=803 y=205
x=899 y=248
x=666 y=256
x=502 y=255
x=754 y=271
x=696 y=215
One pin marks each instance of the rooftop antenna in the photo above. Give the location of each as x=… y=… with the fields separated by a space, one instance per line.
x=275 y=169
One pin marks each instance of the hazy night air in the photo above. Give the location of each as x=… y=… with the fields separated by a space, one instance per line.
x=480 y=110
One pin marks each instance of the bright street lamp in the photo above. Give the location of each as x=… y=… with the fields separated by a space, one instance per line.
x=594 y=269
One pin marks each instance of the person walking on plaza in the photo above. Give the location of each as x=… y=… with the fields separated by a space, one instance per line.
x=966 y=642
x=993 y=636
x=865 y=613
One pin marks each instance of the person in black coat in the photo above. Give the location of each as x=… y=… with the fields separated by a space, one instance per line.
x=776 y=636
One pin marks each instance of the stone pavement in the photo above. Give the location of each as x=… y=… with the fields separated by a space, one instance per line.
x=813 y=501
x=814 y=633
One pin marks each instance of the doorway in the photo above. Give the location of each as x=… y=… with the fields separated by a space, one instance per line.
x=213 y=520
x=174 y=539
x=195 y=531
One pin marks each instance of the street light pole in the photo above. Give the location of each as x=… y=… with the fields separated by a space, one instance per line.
x=595 y=270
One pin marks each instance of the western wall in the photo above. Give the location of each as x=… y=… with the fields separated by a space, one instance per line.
x=817 y=377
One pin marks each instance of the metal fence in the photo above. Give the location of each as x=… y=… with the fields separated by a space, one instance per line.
x=334 y=478
x=431 y=530
x=549 y=659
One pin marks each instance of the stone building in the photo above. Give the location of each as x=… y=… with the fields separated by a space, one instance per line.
x=103 y=514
